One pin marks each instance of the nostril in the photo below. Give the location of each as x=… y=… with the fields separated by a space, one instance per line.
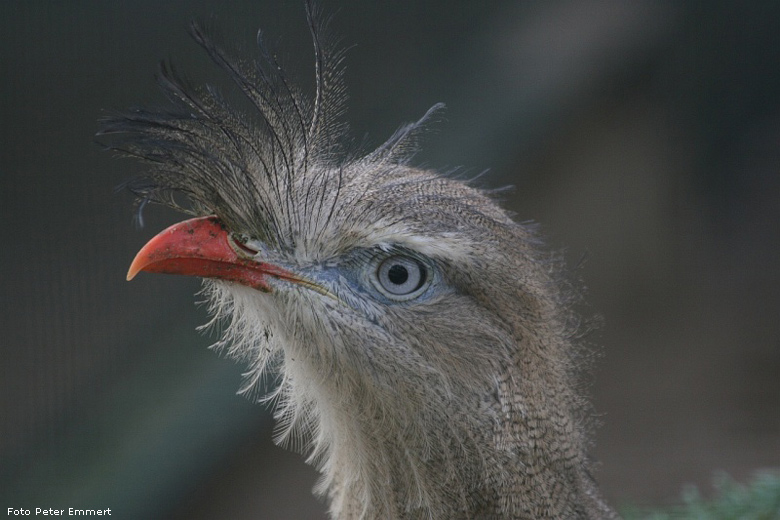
x=240 y=242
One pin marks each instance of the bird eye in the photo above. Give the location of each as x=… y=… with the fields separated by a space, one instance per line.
x=401 y=277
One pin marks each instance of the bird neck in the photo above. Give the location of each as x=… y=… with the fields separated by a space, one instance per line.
x=468 y=456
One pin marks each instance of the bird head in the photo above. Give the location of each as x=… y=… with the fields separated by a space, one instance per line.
x=420 y=336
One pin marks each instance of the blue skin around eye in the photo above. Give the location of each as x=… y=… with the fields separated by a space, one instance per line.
x=354 y=271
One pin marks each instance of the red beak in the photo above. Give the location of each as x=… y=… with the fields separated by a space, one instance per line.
x=202 y=247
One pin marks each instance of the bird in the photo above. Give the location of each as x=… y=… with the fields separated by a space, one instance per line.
x=423 y=346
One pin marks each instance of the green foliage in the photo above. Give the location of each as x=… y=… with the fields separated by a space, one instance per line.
x=757 y=500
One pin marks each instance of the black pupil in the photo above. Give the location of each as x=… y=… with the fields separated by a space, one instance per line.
x=398 y=274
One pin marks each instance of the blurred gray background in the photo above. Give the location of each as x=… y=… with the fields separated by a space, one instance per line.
x=644 y=137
